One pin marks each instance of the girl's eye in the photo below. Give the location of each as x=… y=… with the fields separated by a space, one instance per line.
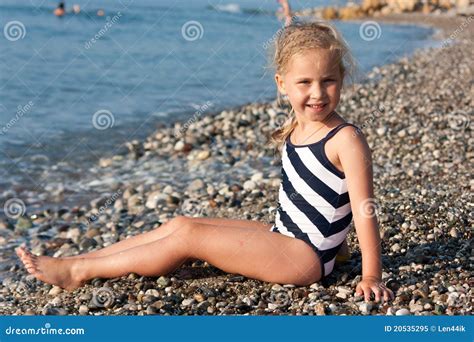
x=303 y=82
x=329 y=80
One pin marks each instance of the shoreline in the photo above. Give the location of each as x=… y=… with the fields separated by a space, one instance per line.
x=408 y=182
x=61 y=183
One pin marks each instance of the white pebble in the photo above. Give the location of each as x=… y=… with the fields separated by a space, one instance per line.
x=402 y=312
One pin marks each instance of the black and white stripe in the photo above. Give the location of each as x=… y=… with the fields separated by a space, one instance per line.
x=313 y=200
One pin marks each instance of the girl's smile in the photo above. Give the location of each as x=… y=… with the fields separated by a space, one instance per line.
x=317 y=108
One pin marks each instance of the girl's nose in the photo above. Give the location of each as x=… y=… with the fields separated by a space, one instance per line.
x=317 y=91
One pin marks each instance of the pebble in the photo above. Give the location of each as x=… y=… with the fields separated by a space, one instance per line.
x=163 y=281
x=272 y=306
x=257 y=177
x=155 y=198
x=402 y=312
x=365 y=308
x=203 y=155
x=187 y=302
x=381 y=131
x=55 y=290
x=320 y=309
x=453 y=233
x=54 y=311
x=249 y=185
x=83 y=310
x=395 y=248
x=22 y=225
x=196 y=185
x=152 y=292
x=277 y=287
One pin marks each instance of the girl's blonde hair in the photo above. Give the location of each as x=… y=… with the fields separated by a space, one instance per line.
x=296 y=39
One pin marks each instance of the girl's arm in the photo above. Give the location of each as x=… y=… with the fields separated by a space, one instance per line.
x=356 y=160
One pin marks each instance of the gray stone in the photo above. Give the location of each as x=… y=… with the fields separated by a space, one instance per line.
x=196 y=185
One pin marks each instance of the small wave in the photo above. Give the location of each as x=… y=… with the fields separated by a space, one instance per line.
x=229 y=8
x=236 y=9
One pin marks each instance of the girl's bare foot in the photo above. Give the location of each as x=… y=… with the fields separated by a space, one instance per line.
x=64 y=273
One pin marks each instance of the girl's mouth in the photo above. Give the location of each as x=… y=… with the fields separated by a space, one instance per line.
x=317 y=108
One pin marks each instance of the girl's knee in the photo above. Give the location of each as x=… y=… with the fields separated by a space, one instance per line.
x=176 y=223
x=182 y=227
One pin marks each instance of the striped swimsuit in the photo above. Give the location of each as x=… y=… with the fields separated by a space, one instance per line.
x=313 y=200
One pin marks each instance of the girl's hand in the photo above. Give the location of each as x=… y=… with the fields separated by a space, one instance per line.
x=371 y=284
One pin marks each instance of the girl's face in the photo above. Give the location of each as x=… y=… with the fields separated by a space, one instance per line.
x=313 y=84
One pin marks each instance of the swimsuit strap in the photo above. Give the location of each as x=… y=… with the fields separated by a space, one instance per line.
x=333 y=131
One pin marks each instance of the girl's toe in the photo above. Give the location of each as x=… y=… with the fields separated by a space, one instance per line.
x=20 y=252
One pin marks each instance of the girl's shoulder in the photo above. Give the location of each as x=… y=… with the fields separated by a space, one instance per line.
x=344 y=130
x=345 y=136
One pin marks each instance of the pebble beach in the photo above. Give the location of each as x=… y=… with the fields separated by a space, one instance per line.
x=416 y=115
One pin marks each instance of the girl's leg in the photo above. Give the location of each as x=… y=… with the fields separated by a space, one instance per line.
x=167 y=228
x=258 y=254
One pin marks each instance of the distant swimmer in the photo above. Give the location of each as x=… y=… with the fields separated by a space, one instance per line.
x=285 y=8
x=100 y=13
x=59 y=11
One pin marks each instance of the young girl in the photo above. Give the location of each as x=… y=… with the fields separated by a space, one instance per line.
x=326 y=172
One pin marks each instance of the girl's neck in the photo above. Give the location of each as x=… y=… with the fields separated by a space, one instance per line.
x=313 y=126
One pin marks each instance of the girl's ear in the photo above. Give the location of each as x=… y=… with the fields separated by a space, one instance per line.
x=280 y=84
